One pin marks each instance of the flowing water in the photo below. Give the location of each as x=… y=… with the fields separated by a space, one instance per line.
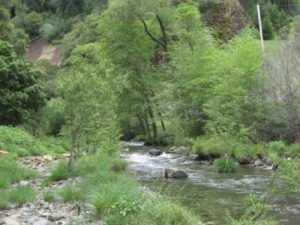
x=205 y=192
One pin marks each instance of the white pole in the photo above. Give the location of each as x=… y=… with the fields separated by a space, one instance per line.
x=260 y=28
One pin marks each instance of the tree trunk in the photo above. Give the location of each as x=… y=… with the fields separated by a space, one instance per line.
x=74 y=137
x=147 y=125
x=154 y=127
x=142 y=125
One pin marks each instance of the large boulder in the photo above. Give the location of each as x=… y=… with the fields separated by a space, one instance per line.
x=155 y=152
x=176 y=174
x=258 y=163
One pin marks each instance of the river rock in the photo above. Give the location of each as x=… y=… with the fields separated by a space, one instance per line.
x=155 y=152
x=243 y=161
x=10 y=221
x=176 y=174
x=42 y=222
x=181 y=150
x=258 y=163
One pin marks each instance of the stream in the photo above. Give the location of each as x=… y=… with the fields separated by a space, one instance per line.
x=207 y=193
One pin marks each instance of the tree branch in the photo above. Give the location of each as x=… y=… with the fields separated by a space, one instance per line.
x=163 y=31
x=148 y=32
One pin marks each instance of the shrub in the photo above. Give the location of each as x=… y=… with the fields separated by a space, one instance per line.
x=277 y=146
x=54 y=118
x=118 y=165
x=161 y=212
x=4 y=202
x=30 y=22
x=225 y=165
x=210 y=145
x=60 y=172
x=21 y=94
x=70 y=194
x=294 y=149
x=107 y=194
x=18 y=141
x=11 y=173
x=22 y=194
x=49 y=197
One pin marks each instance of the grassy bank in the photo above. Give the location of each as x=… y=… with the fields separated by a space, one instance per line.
x=115 y=196
x=19 y=142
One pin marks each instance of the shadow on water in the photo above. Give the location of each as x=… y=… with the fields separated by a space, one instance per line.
x=205 y=192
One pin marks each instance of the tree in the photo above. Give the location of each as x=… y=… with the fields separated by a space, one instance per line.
x=20 y=92
x=282 y=85
x=136 y=38
x=90 y=100
x=9 y=33
x=234 y=106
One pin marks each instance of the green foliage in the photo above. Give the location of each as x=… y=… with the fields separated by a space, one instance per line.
x=30 y=22
x=235 y=110
x=18 y=141
x=268 y=29
x=119 y=165
x=277 y=146
x=256 y=213
x=4 y=202
x=8 y=32
x=225 y=165
x=11 y=173
x=90 y=102
x=161 y=212
x=60 y=172
x=70 y=194
x=21 y=94
x=53 y=116
x=22 y=194
x=49 y=196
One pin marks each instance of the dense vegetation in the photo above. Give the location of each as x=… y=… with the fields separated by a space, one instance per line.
x=181 y=72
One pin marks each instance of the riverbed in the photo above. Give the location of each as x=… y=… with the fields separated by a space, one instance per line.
x=211 y=195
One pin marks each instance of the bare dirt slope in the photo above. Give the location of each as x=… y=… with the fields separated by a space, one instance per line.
x=40 y=49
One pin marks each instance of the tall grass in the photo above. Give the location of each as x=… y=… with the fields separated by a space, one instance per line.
x=117 y=198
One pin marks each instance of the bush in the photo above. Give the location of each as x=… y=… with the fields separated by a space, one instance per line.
x=53 y=119
x=161 y=212
x=30 y=22
x=18 y=141
x=21 y=94
x=49 y=197
x=109 y=193
x=4 y=202
x=277 y=146
x=210 y=145
x=22 y=194
x=294 y=149
x=118 y=165
x=225 y=165
x=11 y=173
x=60 y=172
x=70 y=194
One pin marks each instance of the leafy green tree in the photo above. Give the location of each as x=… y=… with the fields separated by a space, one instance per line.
x=234 y=105
x=30 y=22
x=268 y=29
x=20 y=92
x=9 y=33
x=136 y=39
x=90 y=101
